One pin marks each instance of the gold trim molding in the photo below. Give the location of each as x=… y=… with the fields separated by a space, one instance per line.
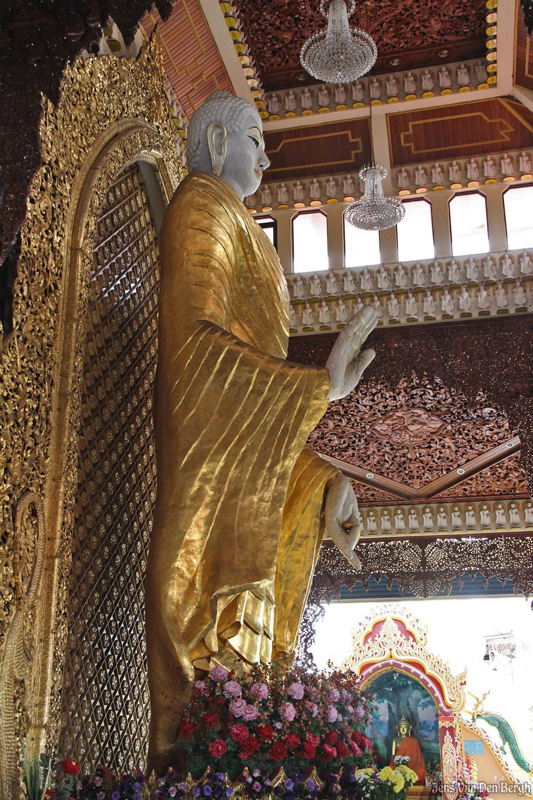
x=112 y=112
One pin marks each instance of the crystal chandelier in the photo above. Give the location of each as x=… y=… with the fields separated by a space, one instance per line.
x=338 y=54
x=374 y=211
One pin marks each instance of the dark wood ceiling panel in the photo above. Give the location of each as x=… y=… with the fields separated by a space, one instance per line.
x=315 y=150
x=523 y=73
x=419 y=32
x=466 y=129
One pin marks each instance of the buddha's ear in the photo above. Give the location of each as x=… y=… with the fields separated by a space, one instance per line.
x=217 y=141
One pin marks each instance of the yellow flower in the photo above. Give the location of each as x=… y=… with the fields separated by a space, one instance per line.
x=364 y=771
x=387 y=774
x=399 y=784
x=409 y=775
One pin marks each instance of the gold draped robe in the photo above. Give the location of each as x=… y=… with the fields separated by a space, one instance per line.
x=239 y=512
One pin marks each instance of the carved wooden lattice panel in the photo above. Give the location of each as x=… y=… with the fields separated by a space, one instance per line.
x=105 y=697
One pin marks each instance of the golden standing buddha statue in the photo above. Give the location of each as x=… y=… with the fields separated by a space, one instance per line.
x=404 y=744
x=242 y=504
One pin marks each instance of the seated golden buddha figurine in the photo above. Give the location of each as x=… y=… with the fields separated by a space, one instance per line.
x=406 y=745
x=242 y=504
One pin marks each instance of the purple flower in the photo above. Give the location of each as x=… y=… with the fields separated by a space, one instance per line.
x=250 y=713
x=331 y=713
x=345 y=695
x=207 y=790
x=311 y=785
x=201 y=684
x=219 y=673
x=238 y=707
x=98 y=781
x=260 y=690
x=333 y=694
x=100 y=796
x=115 y=796
x=196 y=790
x=173 y=791
x=296 y=691
x=350 y=709
x=229 y=791
x=359 y=713
x=136 y=796
x=136 y=787
x=257 y=786
x=256 y=773
x=278 y=725
x=182 y=786
x=232 y=689
x=289 y=784
x=287 y=711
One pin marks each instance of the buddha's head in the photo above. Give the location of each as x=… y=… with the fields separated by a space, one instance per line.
x=225 y=138
x=403 y=727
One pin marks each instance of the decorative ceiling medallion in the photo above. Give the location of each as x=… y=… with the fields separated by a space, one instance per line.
x=407 y=427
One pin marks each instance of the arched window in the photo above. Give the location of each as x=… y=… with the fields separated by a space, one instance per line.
x=468 y=222
x=518 y=205
x=415 y=232
x=361 y=248
x=270 y=227
x=310 y=242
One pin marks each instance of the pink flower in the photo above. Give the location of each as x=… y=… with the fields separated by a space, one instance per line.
x=250 y=713
x=333 y=694
x=296 y=691
x=219 y=673
x=345 y=695
x=356 y=750
x=349 y=709
x=238 y=707
x=359 y=712
x=260 y=690
x=200 y=685
x=232 y=689
x=287 y=711
x=331 y=713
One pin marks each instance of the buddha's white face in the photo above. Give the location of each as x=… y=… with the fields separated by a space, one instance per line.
x=245 y=159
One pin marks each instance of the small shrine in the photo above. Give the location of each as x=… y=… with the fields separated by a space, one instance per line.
x=421 y=710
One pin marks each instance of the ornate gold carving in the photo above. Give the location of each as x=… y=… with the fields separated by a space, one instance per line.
x=390 y=641
x=449 y=763
x=15 y=672
x=112 y=111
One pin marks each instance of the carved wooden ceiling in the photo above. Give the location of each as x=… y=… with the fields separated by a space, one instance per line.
x=444 y=429
x=418 y=32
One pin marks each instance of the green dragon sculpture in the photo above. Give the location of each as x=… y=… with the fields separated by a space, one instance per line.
x=508 y=736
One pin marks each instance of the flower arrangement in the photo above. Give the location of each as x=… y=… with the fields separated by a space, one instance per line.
x=277 y=732
x=273 y=717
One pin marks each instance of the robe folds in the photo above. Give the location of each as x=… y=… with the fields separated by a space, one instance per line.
x=239 y=509
x=409 y=747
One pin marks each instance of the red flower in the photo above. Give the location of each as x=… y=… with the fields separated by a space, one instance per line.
x=308 y=750
x=186 y=727
x=366 y=743
x=239 y=733
x=278 y=751
x=265 y=732
x=50 y=794
x=70 y=767
x=331 y=737
x=313 y=740
x=342 y=750
x=328 y=752
x=210 y=719
x=357 y=737
x=249 y=747
x=217 y=748
x=292 y=740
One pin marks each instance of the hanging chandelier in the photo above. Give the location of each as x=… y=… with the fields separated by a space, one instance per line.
x=374 y=211
x=338 y=54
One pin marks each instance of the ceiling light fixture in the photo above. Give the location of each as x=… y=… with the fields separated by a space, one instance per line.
x=339 y=54
x=374 y=211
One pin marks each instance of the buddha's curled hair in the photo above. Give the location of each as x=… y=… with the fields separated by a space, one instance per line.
x=219 y=107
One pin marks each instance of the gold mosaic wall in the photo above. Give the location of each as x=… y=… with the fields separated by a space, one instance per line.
x=105 y=705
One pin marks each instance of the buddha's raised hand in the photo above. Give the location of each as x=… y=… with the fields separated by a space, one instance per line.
x=346 y=363
x=342 y=517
